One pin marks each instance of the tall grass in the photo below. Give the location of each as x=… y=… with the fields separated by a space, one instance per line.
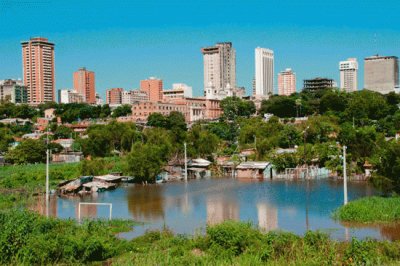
x=234 y=243
x=370 y=210
x=29 y=239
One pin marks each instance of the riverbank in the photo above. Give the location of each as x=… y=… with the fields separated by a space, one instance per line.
x=29 y=238
x=233 y=243
x=370 y=210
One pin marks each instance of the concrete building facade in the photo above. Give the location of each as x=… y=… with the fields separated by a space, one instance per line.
x=130 y=97
x=219 y=69
x=13 y=91
x=286 y=82
x=70 y=96
x=349 y=75
x=114 y=96
x=153 y=87
x=194 y=109
x=84 y=84
x=318 y=83
x=264 y=72
x=381 y=73
x=179 y=90
x=38 y=70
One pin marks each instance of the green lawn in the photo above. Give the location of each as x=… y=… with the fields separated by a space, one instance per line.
x=370 y=210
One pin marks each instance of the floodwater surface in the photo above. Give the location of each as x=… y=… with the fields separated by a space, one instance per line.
x=187 y=208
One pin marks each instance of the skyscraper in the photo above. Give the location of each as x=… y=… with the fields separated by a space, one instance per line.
x=348 y=75
x=219 y=69
x=381 y=73
x=264 y=61
x=38 y=70
x=84 y=84
x=286 y=82
x=153 y=87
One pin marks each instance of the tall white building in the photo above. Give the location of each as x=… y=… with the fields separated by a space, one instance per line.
x=264 y=68
x=219 y=70
x=348 y=75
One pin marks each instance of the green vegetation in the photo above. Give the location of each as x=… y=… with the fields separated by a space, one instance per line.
x=370 y=210
x=233 y=243
x=27 y=238
x=19 y=183
x=30 y=239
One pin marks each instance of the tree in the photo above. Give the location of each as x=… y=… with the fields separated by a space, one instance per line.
x=281 y=106
x=157 y=120
x=289 y=137
x=28 y=151
x=63 y=132
x=234 y=107
x=122 y=110
x=388 y=168
x=145 y=162
x=5 y=139
x=202 y=142
x=366 y=105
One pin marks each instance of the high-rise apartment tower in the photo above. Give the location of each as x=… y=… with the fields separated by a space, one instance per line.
x=348 y=75
x=286 y=82
x=219 y=67
x=84 y=84
x=38 y=70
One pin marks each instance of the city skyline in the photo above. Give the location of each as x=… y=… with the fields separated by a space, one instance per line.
x=169 y=50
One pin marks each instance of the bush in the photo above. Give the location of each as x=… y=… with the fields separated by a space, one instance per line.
x=233 y=236
x=27 y=238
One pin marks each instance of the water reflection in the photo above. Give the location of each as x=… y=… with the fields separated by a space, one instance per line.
x=146 y=203
x=267 y=217
x=294 y=206
x=39 y=205
x=220 y=209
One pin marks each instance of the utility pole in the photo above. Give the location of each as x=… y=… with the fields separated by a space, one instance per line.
x=47 y=173
x=184 y=144
x=344 y=175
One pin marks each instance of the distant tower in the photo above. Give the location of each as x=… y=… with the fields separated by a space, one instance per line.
x=349 y=74
x=153 y=87
x=38 y=70
x=84 y=84
x=381 y=73
x=219 y=68
x=264 y=67
x=286 y=82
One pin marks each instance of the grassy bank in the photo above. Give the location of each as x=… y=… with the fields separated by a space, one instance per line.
x=19 y=182
x=370 y=210
x=30 y=239
x=233 y=243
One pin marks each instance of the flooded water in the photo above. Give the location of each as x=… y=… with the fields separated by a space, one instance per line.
x=186 y=208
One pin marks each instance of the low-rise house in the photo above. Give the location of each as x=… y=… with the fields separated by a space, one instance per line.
x=199 y=168
x=256 y=170
x=16 y=121
x=65 y=143
x=67 y=157
x=32 y=136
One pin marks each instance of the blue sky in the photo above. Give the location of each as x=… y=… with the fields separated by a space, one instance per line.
x=125 y=41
